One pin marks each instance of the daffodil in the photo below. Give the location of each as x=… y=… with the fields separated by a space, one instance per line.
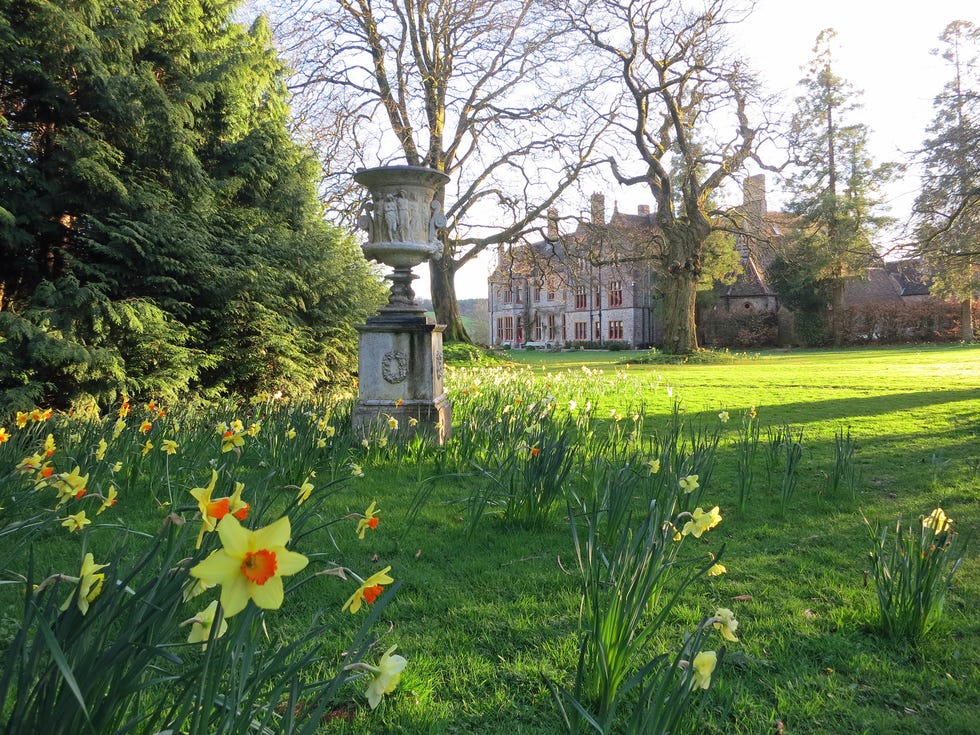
x=70 y=485
x=689 y=484
x=203 y=622
x=701 y=522
x=124 y=409
x=117 y=467
x=723 y=417
x=168 y=446
x=369 y=591
x=4 y=435
x=250 y=565
x=147 y=448
x=725 y=622
x=704 y=665
x=392 y=423
x=236 y=506
x=938 y=521
x=237 y=426
x=30 y=464
x=21 y=419
x=254 y=428
x=49 y=445
x=231 y=441
x=290 y=433
x=108 y=501
x=653 y=466
x=304 y=492
x=212 y=511
x=355 y=470
x=330 y=431
x=412 y=421
x=145 y=427
x=89 y=584
x=117 y=428
x=76 y=521
x=101 y=450
x=752 y=412
x=370 y=520
x=388 y=674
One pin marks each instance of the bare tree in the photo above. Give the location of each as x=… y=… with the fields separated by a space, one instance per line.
x=492 y=92
x=684 y=116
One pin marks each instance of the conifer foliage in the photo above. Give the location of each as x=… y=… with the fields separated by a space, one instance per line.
x=159 y=231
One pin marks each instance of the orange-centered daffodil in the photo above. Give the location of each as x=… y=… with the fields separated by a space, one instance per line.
x=250 y=565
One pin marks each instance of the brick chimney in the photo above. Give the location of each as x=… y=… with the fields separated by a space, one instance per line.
x=552 y=224
x=754 y=201
x=598 y=209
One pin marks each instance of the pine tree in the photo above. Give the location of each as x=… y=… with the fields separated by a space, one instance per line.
x=835 y=185
x=147 y=186
x=947 y=210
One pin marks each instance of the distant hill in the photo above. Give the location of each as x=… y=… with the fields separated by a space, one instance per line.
x=475 y=317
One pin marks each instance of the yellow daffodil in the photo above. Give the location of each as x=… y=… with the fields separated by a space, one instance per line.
x=4 y=436
x=89 y=584
x=231 y=441
x=169 y=446
x=389 y=672
x=704 y=666
x=250 y=565
x=716 y=570
x=147 y=448
x=370 y=520
x=21 y=419
x=752 y=413
x=145 y=427
x=70 y=485
x=689 y=484
x=124 y=409
x=117 y=428
x=653 y=466
x=212 y=511
x=412 y=421
x=49 y=445
x=117 y=467
x=108 y=501
x=101 y=450
x=723 y=417
x=321 y=443
x=726 y=623
x=330 y=431
x=304 y=492
x=365 y=443
x=76 y=521
x=290 y=433
x=369 y=591
x=202 y=623
x=356 y=471
x=392 y=423
x=938 y=521
x=30 y=464
x=701 y=522
x=236 y=506
x=237 y=426
x=254 y=428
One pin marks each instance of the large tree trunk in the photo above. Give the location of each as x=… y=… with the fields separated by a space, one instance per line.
x=442 y=273
x=966 y=320
x=837 y=314
x=680 y=332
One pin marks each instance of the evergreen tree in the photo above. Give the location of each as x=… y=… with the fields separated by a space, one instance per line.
x=148 y=189
x=835 y=185
x=947 y=210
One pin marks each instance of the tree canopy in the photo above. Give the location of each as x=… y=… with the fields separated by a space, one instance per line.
x=159 y=231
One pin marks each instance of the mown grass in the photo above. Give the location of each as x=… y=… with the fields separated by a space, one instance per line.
x=486 y=611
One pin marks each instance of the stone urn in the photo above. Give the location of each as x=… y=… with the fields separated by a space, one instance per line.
x=400 y=362
x=403 y=221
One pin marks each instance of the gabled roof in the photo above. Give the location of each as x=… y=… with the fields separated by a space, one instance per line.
x=875 y=287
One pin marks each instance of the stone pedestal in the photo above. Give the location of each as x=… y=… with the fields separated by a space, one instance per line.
x=400 y=365
x=400 y=372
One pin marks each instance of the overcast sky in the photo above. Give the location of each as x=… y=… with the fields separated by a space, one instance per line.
x=883 y=50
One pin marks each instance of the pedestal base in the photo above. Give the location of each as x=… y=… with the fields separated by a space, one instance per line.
x=400 y=377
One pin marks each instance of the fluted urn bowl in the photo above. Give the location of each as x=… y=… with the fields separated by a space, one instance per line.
x=404 y=216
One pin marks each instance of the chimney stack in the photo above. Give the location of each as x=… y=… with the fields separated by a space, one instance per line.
x=598 y=209
x=552 y=224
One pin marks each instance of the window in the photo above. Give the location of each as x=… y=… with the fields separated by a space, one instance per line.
x=580 y=296
x=519 y=294
x=615 y=293
x=536 y=294
x=598 y=298
x=552 y=327
x=597 y=332
x=508 y=295
x=581 y=330
x=520 y=330
x=552 y=289
x=538 y=331
x=616 y=329
x=505 y=329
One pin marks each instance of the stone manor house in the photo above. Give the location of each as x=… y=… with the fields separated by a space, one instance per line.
x=598 y=284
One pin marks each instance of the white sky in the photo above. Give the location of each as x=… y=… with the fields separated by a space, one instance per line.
x=883 y=49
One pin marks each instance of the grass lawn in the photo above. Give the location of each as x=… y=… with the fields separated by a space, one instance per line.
x=489 y=607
